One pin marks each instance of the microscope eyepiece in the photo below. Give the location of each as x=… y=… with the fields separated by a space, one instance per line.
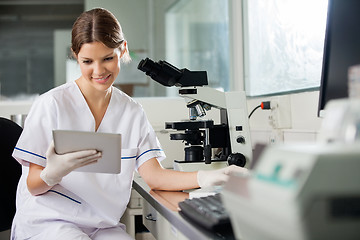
x=169 y=75
x=161 y=71
x=146 y=65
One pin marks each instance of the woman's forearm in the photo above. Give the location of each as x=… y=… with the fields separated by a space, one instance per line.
x=175 y=180
x=165 y=179
x=35 y=184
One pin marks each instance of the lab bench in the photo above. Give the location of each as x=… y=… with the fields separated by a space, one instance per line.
x=161 y=216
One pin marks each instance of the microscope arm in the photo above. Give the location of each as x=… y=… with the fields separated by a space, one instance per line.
x=213 y=97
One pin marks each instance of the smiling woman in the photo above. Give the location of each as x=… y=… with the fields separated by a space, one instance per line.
x=51 y=191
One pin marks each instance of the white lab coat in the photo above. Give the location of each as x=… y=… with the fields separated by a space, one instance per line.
x=89 y=200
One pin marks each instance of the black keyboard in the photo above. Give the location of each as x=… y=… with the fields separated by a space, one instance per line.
x=207 y=212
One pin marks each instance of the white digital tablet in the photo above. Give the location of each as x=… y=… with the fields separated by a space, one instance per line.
x=109 y=144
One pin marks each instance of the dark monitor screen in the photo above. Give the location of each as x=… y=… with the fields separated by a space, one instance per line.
x=341 y=49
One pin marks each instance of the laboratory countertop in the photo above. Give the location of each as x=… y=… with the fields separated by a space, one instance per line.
x=166 y=204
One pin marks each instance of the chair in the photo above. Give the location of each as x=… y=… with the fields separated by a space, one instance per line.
x=10 y=171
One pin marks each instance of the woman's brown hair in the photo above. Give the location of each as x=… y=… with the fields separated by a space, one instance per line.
x=99 y=25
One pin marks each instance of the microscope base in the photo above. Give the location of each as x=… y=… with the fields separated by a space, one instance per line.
x=196 y=166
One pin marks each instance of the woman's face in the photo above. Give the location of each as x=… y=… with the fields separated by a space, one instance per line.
x=99 y=64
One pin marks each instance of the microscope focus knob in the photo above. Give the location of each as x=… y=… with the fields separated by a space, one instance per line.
x=240 y=139
x=237 y=159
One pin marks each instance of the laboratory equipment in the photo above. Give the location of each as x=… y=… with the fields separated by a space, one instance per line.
x=229 y=139
x=298 y=192
x=341 y=121
x=19 y=119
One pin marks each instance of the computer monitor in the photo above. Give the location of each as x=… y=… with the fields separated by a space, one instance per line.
x=341 y=49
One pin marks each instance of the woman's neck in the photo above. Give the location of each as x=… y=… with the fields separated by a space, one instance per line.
x=94 y=96
x=97 y=101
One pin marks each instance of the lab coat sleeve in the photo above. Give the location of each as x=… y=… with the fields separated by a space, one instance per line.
x=37 y=132
x=149 y=145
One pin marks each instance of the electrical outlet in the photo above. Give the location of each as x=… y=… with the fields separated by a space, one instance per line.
x=280 y=116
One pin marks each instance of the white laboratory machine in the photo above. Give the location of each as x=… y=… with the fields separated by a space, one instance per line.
x=298 y=192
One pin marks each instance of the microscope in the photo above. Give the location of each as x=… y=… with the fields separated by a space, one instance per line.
x=207 y=143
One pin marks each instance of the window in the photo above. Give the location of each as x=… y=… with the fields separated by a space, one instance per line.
x=197 y=38
x=27 y=44
x=283 y=45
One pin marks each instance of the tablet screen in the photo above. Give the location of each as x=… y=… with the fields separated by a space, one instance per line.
x=109 y=144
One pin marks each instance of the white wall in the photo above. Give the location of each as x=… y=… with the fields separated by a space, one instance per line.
x=305 y=122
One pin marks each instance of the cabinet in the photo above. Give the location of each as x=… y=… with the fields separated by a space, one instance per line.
x=159 y=227
x=130 y=218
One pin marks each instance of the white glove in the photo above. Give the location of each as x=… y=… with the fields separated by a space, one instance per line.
x=208 y=178
x=58 y=166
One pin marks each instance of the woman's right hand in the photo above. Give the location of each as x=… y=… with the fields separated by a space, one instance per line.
x=59 y=165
